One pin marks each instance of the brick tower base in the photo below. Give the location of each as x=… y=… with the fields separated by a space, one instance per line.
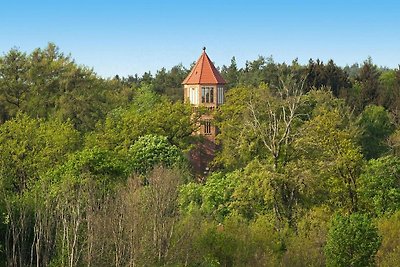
x=201 y=157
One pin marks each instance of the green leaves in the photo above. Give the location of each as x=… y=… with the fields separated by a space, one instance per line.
x=288 y=161
x=152 y=150
x=331 y=156
x=49 y=84
x=256 y=122
x=148 y=114
x=240 y=144
x=352 y=241
x=29 y=147
x=377 y=126
x=380 y=185
x=90 y=168
x=247 y=192
x=389 y=251
x=14 y=83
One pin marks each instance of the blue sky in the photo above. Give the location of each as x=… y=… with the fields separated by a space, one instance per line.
x=128 y=37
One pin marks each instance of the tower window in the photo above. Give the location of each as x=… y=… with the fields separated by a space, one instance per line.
x=207 y=127
x=220 y=92
x=207 y=94
x=193 y=96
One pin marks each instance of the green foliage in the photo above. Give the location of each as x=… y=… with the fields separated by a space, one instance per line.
x=13 y=82
x=269 y=235
x=259 y=123
x=388 y=93
x=148 y=114
x=212 y=198
x=240 y=144
x=170 y=82
x=231 y=74
x=152 y=150
x=305 y=246
x=246 y=192
x=352 y=241
x=394 y=143
x=292 y=154
x=369 y=82
x=48 y=84
x=287 y=133
x=234 y=242
x=379 y=185
x=332 y=159
x=330 y=75
x=376 y=125
x=218 y=244
x=253 y=193
x=318 y=101
x=29 y=147
x=103 y=167
x=389 y=229
x=216 y=195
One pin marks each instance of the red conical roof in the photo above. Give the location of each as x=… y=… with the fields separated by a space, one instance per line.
x=204 y=72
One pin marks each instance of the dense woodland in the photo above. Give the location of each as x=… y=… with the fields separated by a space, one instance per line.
x=95 y=172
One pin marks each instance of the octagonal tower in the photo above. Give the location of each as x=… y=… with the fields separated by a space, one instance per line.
x=204 y=87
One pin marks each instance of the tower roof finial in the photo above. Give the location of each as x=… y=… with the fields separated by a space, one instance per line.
x=204 y=48
x=204 y=72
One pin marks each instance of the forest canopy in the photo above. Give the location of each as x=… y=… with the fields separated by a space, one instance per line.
x=95 y=171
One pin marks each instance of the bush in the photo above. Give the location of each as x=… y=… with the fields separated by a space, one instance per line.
x=152 y=150
x=352 y=241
